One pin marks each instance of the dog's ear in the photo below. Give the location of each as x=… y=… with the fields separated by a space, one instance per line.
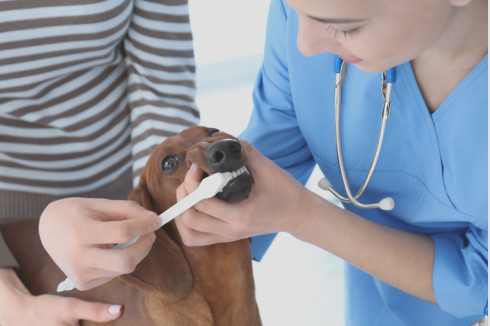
x=165 y=271
x=141 y=196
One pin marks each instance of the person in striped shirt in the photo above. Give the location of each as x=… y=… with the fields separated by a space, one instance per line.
x=88 y=88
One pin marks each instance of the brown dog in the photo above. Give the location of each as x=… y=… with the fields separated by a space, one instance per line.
x=175 y=284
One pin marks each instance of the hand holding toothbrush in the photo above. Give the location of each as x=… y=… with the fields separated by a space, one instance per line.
x=86 y=228
x=278 y=202
x=207 y=189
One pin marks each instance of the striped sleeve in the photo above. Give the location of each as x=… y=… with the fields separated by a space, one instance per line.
x=161 y=76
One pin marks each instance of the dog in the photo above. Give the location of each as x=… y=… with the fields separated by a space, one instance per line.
x=174 y=285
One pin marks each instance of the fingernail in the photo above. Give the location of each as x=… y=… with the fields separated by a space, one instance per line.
x=114 y=309
x=156 y=223
x=193 y=165
x=146 y=211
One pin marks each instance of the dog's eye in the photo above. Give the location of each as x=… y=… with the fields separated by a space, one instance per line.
x=212 y=132
x=170 y=163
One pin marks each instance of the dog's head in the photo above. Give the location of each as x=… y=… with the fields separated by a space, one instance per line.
x=167 y=272
x=208 y=148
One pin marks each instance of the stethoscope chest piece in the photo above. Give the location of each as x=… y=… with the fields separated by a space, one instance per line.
x=483 y=322
x=389 y=78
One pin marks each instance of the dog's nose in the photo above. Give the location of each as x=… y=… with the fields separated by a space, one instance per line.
x=227 y=153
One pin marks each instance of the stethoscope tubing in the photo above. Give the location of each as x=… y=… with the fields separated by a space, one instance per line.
x=389 y=77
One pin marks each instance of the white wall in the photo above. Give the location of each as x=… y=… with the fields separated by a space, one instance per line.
x=296 y=283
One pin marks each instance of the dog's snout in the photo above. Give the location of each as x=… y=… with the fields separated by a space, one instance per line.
x=227 y=153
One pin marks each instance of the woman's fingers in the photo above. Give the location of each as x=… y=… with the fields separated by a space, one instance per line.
x=193 y=218
x=192 y=237
x=106 y=264
x=114 y=210
x=193 y=178
x=213 y=220
x=76 y=232
x=209 y=220
x=142 y=223
x=121 y=261
x=276 y=203
x=212 y=206
x=255 y=159
x=181 y=192
x=75 y=309
x=91 y=273
x=210 y=216
x=93 y=283
x=216 y=207
x=210 y=209
x=203 y=222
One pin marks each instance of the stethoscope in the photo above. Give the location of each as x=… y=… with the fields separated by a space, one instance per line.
x=389 y=78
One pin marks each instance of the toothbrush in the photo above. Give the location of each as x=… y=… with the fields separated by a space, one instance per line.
x=208 y=188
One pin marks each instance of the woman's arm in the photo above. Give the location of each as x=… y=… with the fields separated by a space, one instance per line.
x=402 y=259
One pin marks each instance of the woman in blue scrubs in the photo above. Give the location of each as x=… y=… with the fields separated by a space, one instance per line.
x=425 y=261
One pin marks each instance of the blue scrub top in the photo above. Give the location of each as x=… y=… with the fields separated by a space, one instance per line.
x=433 y=166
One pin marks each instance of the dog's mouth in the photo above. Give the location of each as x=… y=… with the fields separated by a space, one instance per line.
x=237 y=188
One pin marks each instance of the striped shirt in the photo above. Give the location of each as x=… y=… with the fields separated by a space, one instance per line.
x=88 y=88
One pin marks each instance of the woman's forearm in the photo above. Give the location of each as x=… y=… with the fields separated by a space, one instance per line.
x=402 y=259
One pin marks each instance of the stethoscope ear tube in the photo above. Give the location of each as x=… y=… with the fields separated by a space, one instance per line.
x=389 y=77
x=337 y=64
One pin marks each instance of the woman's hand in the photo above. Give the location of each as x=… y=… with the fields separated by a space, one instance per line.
x=18 y=307
x=278 y=202
x=78 y=234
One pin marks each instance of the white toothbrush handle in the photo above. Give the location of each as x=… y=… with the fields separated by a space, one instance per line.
x=125 y=244
x=171 y=213
x=184 y=204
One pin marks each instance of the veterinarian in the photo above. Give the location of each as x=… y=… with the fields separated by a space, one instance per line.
x=425 y=261
x=87 y=90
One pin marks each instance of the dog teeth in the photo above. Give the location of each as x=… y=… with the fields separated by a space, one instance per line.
x=239 y=172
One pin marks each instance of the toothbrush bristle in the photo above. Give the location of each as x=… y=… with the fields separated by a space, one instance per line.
x=228 y=176
x=234 y=174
